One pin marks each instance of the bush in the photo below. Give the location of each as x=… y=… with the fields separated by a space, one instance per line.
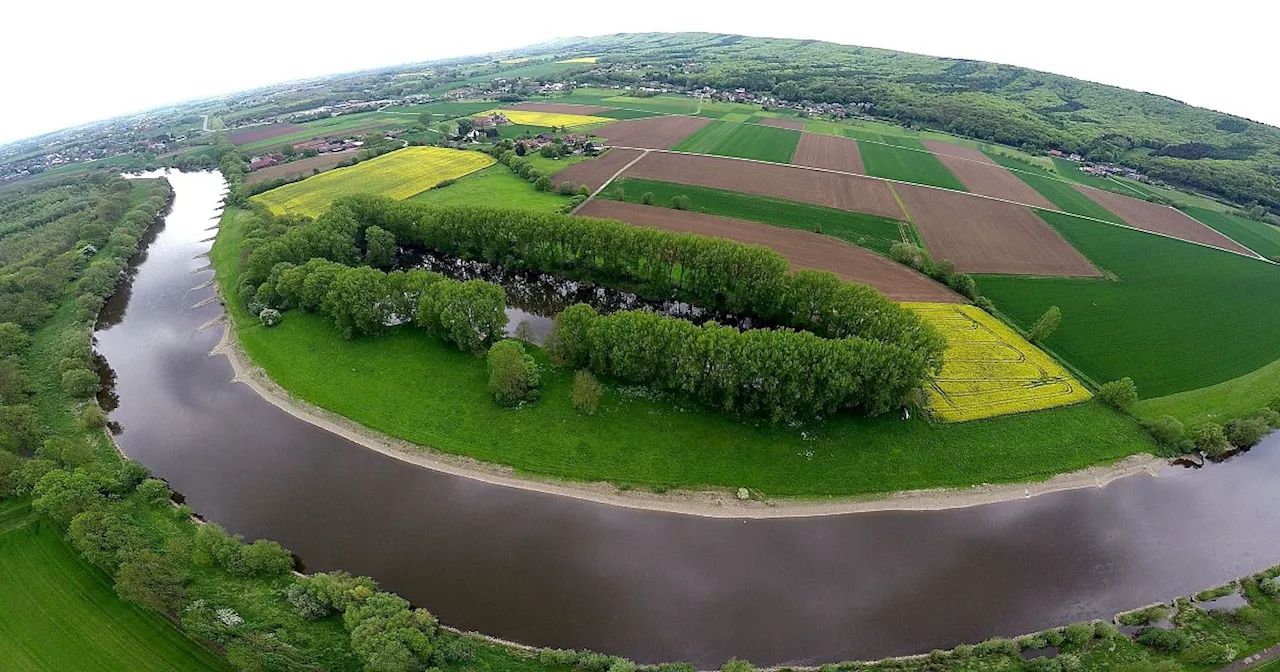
x=80 y=383
x=681 y=202
x=1169 y=433
x=266 y=558
x=566 y=189
x=70 y=453
x=1043 y=665
x=908 y=254
x=270 y=317
x=647 y=198
x=1210 y=654
x=1045 y=326
x=92 y=417
x=586 y=392
x=1210 y=438
x=737 y=665
x=1077 y=634
x=513 y=374
x=1166 y=641
x=542 y=183
x=1247 y=432
x=964 y=284
x=154 y=492
x=1121 y=394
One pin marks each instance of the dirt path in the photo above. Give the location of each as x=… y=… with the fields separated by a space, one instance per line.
x=1253 y=662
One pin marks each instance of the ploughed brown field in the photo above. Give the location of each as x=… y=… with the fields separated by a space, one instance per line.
x=783 y=123
x=596 y=172
x=834 y=190
x=980 y=175
x=650 y=132
x=1161 y=219
x=985 y=236
x=301 y=167
x=260 y=133
x=804 y=249
x=830 y=152
x=559 y=108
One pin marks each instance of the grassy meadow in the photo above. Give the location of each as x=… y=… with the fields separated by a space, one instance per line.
x=906 y=160
x=495 y=184
x=743 y=141
x=869 y=231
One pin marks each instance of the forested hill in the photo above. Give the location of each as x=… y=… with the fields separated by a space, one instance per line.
x=1234 y=157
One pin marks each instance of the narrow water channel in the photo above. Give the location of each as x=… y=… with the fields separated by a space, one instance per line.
x=551 y=571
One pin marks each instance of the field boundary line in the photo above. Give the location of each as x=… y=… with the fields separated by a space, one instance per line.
x=1255 y=256
x=609 y=181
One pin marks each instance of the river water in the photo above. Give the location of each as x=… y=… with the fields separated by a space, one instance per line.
x=560 y=572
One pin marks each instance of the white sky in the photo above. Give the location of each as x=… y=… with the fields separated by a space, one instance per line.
x=67 y=63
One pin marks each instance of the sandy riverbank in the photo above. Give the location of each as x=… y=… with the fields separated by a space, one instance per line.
x=712 y=503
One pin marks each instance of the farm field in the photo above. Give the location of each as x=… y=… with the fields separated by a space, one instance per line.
x=982 y=176
x=443 y=110
x=244 y=136
x=546 y=119
x=1218 y=403
x=906 y=161
x=989 y=370
x=557 y=108
x=352 y=124
x=301 y=167
x=804 y=249
x=869 y=231
x=1260 y=237
x=743 y=141
x=789 y=183
x=495 y=184
x=1178 y=317
x=614 y=113
x=1162 y=219
x=791 y=124
x=594 y=173
x=830 y=152
x=985 y=236
x=651 y=132
x=60 y=613
x=1061 y=193
x=400 y=174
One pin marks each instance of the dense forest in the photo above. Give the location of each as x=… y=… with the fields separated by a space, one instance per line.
x=1227 y=155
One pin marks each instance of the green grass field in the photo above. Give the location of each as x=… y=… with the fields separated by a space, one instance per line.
x=743 y=141
x=414 y=386
x=1058 y=191
x=1260 y=237
x=496 y=184
x=898 y=161
x=1180 y=316
x=870 y=231
x=334 y=126
x=442 y=110
x=60 y=613
x=624 y=114
x=1221 y=402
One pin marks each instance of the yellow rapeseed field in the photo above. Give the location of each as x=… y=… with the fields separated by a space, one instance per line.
x=581 y=59
x=526 y=118
x=400 y=174
x=990 y=370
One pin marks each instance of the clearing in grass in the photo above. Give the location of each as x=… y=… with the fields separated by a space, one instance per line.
x=400 y=174
x=1176 y=317
x=989 y=370
x=547 y=119
x=496 y=184
x=906 y=160
x=743 y=141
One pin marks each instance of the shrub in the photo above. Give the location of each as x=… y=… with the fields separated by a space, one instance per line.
x=647 y=198
x=1167 y=641
x=543 y=183
x=307 y=603
x=586 y=392
x=13 y=339
x=513 y=374
x=583 y=190
x=266 y=558
x=92 y=417
x=1121 y=394
x=908 y=254
x=1077 y=634
x=154 y=491
x=963 y=284
x=270 y=317
x=1045 y=326
x=737 y=665
x=1246 y=432
x=681 y=202
x=70 y=453
x=80 y=383
x=1043 y=665
x=1209 y=654
x=566 y=189
x=1210 y=438
x=1168 y=432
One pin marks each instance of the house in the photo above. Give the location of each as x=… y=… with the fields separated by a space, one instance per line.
x=261 y=162
x=1056 y=153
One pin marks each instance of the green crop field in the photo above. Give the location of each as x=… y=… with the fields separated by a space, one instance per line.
x=335 y=126
x=907 y=160
x=1231 y=399
x=1260 y=237
x=744 y=141
x=442 y=110
x=1058 y=191
x=495 y=184
x=1179 y=317
x=60 y=613
x=869 y=231
x=625 y=114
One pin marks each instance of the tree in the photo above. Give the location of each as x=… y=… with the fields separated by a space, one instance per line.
x=908 y=254
x=1246 y=432
x=80 y=383
x=647 y=198
x=70 y=453
x=13 y=340
x=10 y=473
x=380 y=247
x=1209 y=438
x=524 y=332
x=542 y=183
x=513 y=374
x=587 y=392
x=465 y=126
x=105 y=535
x=358 y=301
x=1045 y=326
x=62 y=495
x=154 y=492
x=1121 y=394
x=19 y=428
x=680 y=202
x=549 y=151
x=1168 y=432
x=266 y=558
x=152 y=581
x=13 y=381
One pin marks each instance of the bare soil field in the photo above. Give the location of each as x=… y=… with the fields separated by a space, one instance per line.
x=301 y=167
x=598 y=171
x=783 y=123
x=804 y=249
x=1161 y=219
x=846 y=192
x=982 y=176
x=830 y=152
x=260 y=133
x=651 y=132
x=558 y=108
x=985 y=236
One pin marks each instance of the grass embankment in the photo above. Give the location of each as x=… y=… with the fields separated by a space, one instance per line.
x=869 y=231
x=414 y=386
x=906 y=160
x=495 y=184
x=60 y=613
x=1179 y=317
x=743 y=141
x=1226 y=400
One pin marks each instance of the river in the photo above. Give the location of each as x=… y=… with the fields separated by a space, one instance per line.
x=554 y=571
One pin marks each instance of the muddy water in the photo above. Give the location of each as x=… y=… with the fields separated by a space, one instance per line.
x=559 y=572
